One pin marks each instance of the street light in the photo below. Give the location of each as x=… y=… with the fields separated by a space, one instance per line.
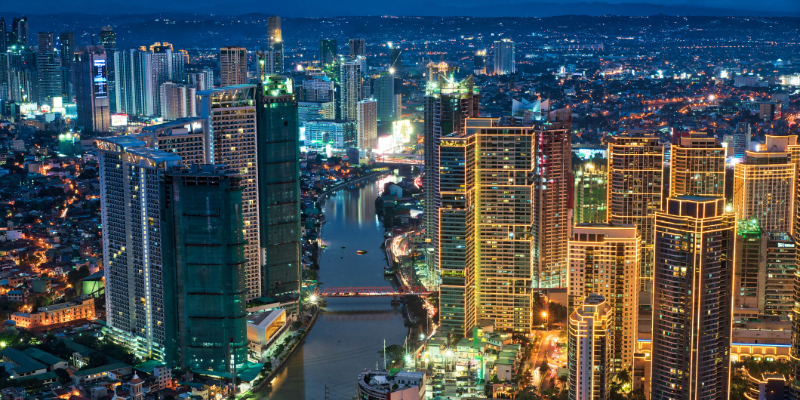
x=544 y=315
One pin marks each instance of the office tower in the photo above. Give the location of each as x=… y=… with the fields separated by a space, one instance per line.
x=318 y=88
x=358 y=47
x=279 y=187
x=367 y=124
x=130 y=176
x=741 y=141
x=232 y=66
x=328 y=52
x=588 y=350
x=203 y=80
x=604 y=260
x=204 y=256
x=322 y=135
x=591 y=185
x=635 y=190
x=274 y=29
x=692 y=299
x=230 y=113
x=456 y=217
x=763 y=185
x=46 y=41
x=177 y=101
x=19 y=31
x=387 y=99
x=185 y=137
x=479 y=63
x=3 y=36
x=134 y=89
x=48 y=66
x=108 y=38
x=313 y=110
x=351 y=82
x=447 y=103
x=167 y=66
x=395 y=58
x=697 y=166
x=764 y=272
x=504 y=59
x=270 y=61
x=22 y=81
x=91 y=88
x=67 y=47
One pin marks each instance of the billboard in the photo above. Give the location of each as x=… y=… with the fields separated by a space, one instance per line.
x=100 y=79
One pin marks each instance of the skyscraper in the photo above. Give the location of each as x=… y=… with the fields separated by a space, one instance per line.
x=130 y=176
x=358 y=47
x=230 y=113
x=697 y=166
x=328 y=52
x=367 y=124
x=49 y=76
x=202 y=80
x=108 y=38
x=318 y=88
x=134 y=89
x=232 y=66
x=604 y=260
x=741 y=141
x=504 y=58
x=635 y=190
x=763 y=185
x=46 y=41
x=395 y=57
x=20 y=31
x=764 y=272
x=279 y=187
x=591 y=185
x=270 y=61
x=385 y=94
x=187 y=138
x=204 y=256
x=479 y=63
x=338 y=134
x=589 y=349
x=3 y=36
x=351 y=82
x=177 y=101
x=447 y=104
x=67 y=44
x=167 y=66
x=274 y=29
x=692 y=299
x=91 y=88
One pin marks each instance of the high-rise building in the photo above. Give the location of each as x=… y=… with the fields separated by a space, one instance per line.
x=591 y=184
x=351 y=84
x=48 y=66
x=187 y=138
x=318 y=88
x=91 y=88
x=328 y=52
x=314 y=110
x=479 y=63
x=177 y=101
x=108 y=38
x=230 y=113
x=447 y=104
x=232 y=66
x=763 y=185
x=589 y=348
x=3 y=36
x=133 y=252
x=46 y=42
x=167 y=66
x=330 y=133
x=67 y=46
x=635 y=190
x=697 y=166
x=20 y=31
x=741 y=141
x=387 y=99
x=134 y=89
x=456 y=218
x=504 y=59
x=270 y=61
x=203 y=248
x=604 y=260
x=358 y=47
x=367 y=124
x=274 y=29
x=692 y=299
x=764 y=272
x=395 y=58
x=203 y=80
x=279 y=188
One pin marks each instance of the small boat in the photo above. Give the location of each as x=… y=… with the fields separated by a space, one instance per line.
x=361 y=252
x=322 y=246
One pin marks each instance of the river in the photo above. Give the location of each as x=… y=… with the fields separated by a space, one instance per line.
x=349 y=334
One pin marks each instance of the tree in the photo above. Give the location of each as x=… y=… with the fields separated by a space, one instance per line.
x=63 y=376
x=544 y=367
x=394 y=354
x=529 y=393
x=96 y=359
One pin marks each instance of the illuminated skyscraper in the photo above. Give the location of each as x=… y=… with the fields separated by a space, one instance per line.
x=395 y=57
x=270 y=60
x=20 y=31
x=589 y=348
x=167 y=66
x=232 y=66
x=91 y=88
x=202 y=80
x=763 y=185
x=692 y=299
x=604 y=260
x=447 y=104
x=635 y=190
x=479 y=62
x=274 y=29
x=358 y=47
x=591 y=184
x=385 y=93
x=367 y=124
x=134 y=82
x=230 y=113
x=697 y=166
x=48 y=65
x=67 y=47
x=46 y=41
x=741 y=140
x=3 y=36
x=185 y=137
x=108 y=38
x=328 y=52
x=504 y=58
x=351 y=86
x=177 y=101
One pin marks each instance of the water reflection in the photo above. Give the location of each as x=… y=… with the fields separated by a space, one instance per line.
x=348 y=337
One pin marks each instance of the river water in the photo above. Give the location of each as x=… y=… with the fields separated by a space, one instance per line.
x=349 y=334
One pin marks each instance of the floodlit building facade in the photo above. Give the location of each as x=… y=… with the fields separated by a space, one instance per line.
x=591 y=184
x=697 y=166
x=232 y=66
x=367 y=124
x=504 y=58
x=588 y=347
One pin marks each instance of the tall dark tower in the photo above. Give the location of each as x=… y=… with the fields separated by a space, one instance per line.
x=108 y=38
x=19 y=31
x=67 y=47
x=3 y=36
x=358 y=47
x=327 y=51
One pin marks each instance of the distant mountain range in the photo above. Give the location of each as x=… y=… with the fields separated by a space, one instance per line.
x=327 y=8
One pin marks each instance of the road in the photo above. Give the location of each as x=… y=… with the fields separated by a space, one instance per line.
x=546 y=352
